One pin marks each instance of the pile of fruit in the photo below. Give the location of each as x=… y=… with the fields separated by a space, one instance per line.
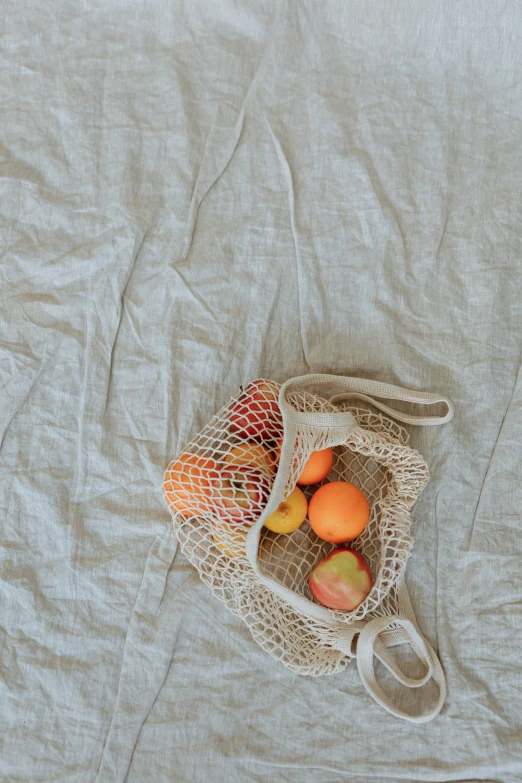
x=230 y=485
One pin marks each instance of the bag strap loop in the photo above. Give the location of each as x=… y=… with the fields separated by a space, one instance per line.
x=380 y=632
x=368 y=645
x=364 y=389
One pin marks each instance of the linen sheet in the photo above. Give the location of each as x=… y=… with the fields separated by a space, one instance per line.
x=193 y=195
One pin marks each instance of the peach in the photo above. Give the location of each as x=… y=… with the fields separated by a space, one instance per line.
x=290 y=514
x=275 y=452
x=231 y=541
x=342 y=580
x=256 y=413
x=251 y=453
x=240 y=493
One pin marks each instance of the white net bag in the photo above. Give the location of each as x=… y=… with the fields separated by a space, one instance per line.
x=238 y=470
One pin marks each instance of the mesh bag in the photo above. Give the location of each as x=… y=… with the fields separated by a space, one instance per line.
x=247 y=460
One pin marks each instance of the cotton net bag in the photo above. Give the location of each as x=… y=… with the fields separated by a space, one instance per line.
x=246 y=461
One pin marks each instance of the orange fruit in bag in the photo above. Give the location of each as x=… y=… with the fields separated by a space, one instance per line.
x=317 y=467
x=338 y=512
x=188 y=484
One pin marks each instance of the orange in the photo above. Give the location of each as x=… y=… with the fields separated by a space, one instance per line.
x=338 y=512
x=250 y=454
x=290 y=514
x=188 y=484
x=317 y=467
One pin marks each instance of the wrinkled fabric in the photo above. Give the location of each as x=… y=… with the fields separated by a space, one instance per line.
x=193 y=195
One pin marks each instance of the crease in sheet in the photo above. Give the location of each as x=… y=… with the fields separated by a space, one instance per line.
x=23 y=384
x=147 y=654
x=287 y=171
x=120 y=312
x=213 y=165
x=500 y=434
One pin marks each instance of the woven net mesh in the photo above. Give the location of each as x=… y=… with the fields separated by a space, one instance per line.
x=218 y=487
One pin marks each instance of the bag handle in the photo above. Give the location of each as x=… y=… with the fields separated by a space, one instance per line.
x=369 y=641
x=363 y=389
x=369 y=644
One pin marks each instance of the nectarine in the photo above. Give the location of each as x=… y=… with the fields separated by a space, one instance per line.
x=342 y=580
x=231 y=541
x=251 y=453
x=290 y=514
x=256 y=413
x=240 y=492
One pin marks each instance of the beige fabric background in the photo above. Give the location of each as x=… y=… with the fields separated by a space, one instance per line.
x=193 y=195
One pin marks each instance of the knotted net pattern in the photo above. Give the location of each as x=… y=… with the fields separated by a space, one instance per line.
x=218 y=487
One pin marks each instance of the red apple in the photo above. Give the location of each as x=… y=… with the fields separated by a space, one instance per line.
x=240 y=492
x=342 y=580
x=256 y=413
